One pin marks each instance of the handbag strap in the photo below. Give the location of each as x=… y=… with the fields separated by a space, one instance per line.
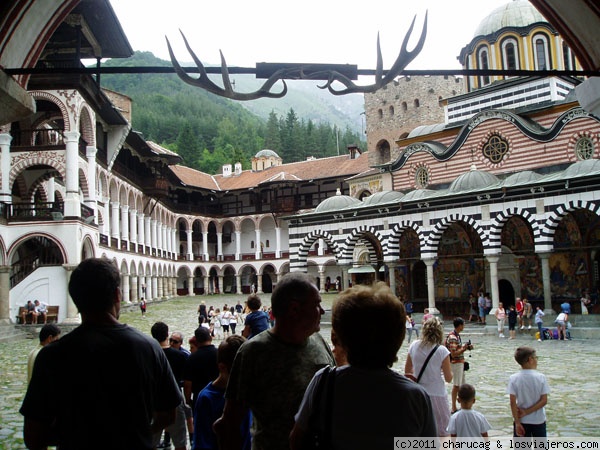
x=427 y=361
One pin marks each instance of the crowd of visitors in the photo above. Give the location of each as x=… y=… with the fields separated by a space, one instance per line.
x=275 y=385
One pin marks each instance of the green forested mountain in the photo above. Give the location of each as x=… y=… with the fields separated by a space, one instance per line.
x=209 y=131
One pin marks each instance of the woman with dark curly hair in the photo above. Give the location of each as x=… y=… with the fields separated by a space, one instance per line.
x=436 y=366
x=368 y=327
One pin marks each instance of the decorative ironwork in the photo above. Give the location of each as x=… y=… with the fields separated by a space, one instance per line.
x=584 y=148
x=302 y=72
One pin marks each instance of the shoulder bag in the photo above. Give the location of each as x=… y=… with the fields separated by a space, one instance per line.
x=427 y=361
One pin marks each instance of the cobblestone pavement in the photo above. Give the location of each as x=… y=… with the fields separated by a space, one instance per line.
x=571 y=367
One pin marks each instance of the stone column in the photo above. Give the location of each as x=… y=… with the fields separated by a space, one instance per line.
x=160 y=287
x=322 y=278
x=4 y=294
x=238 y=245
x=154 y=287
x=205 y=245
x=125 y=223
x=238 y=282
x=147 y=233
x=220 y=286
x=219 y=246
x=257 y=248
x=493 y=260
x=430 y=286
x=133 y=229
x=90 y=153
x=321 y=249
x=125 y=297
x=190 y=251
x=52 y=190
x=141 y=233
x=392 y=274
x=277 y=242
x=259 y=289
x=5 y=191
x=545 y=261
x=206 y=280
x=345 y=277
x=153 y=234
x=134 y=289
x=114 y=215
x=72 y=201
x=191 y=285
x=149 y=288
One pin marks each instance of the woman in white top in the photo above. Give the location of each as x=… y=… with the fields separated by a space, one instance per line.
x=431 y=379
x=501 y=318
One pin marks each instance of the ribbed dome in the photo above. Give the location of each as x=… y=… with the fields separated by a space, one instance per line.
x=473 y=179
x=417 y=194
x=266 y=153
x=337 y=202
x=519 y=13
x=582 y=168
x=380 y=198
x=525 y=177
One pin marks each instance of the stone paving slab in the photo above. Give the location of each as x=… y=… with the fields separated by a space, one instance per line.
x=572 y=369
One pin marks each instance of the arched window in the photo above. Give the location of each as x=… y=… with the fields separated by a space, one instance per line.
x=541 y=52
x=404 y=106
x=417 y=103
x=383 y=151
x=484 y=64
x=391 y=111
x=510 y=54
x=380 y=113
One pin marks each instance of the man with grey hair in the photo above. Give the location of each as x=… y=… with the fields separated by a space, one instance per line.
x=272 y=370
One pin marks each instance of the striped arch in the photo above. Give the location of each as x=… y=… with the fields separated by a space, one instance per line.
x=87 y=127
x=391 y=247
x=433 y=240
x=83 y=181
x=299 y=262
x=41 y=95
x=19 y=163
x=498 y=222
x=354 y=237
x=546 y=242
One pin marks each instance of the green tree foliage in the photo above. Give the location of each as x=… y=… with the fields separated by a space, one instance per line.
x=209 y=131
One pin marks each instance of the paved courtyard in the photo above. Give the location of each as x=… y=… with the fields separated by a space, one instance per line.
x=572 y=369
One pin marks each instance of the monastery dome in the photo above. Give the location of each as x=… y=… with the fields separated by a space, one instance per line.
x=417 y=194
x=383 y=197
x=266 y=153
x=337 y=202
x=518 y=14
x=473 y=179
x=525 y=177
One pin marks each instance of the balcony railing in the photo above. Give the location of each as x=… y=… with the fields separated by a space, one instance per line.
x=34 y=211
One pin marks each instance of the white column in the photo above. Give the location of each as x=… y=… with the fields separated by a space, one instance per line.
x=322 y=279
x=147 y=231
x=51 y=190
x=125 y=288
x=191 y=285
x=190 y=252
x=392 y=275
x=141 y=234
x=238 y=245
x=175 y=248
x=90 y=153
x=258 y=250
x=133 y=227
x=205 y=244
x=219 y=246
x=160 y=287
x=545 y=261
x=134 y=289
x=321 y=250
x=125 y=222
x=154 y=287
x=114 y=215
x=149 y=291
x=277 y=242
x=493 y=260
x=430 y=286
x=158 y=238
x=154 y=234
x=5 y=193
x=163 y=240
x=238 y=282
x=72 y=203
x=5 y=295
x=206 y=280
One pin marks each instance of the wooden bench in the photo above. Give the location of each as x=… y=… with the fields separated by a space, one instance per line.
x=51 y=315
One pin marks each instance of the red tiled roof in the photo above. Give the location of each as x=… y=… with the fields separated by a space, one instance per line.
x=316 y=169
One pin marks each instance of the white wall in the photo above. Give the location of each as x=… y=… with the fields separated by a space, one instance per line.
x=46 y=284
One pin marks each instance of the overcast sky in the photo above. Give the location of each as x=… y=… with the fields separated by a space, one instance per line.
x=308 y=31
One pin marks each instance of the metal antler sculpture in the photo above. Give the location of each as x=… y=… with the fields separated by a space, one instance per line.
x=302 y=72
